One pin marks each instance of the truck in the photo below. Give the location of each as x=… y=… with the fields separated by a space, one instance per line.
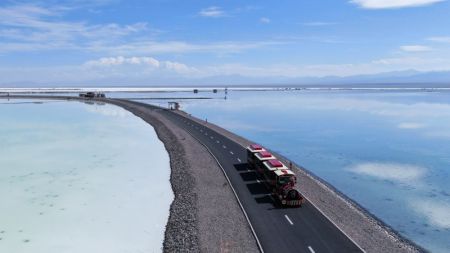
x=278 y=178
x=91 y=94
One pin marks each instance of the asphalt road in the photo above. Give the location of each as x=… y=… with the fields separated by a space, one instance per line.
x=278 y=229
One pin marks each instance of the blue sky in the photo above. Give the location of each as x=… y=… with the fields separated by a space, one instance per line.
x=168 y=41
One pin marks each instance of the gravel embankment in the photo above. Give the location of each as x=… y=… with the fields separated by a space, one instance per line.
x=371 y=234
x=205 y=216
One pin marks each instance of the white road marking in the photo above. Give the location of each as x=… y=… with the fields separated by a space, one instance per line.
x=257 y=180
x=311 y=249
x=239 y=160
x=231 y=152
x=218 y=141
x=212 y=137
x=224 y=146
x=287 y=218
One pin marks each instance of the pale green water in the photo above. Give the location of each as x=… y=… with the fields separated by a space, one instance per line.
x=80 y=178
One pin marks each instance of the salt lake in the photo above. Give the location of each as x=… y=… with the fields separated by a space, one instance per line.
x=78 y=177
x=388 y=151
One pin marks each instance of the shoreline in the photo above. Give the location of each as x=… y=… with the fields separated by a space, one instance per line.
x=367 y=231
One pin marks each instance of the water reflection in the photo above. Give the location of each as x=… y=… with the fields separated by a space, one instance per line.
x=71 y=170
x=389 y=151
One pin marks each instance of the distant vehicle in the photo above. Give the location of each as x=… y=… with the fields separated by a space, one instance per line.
x=91 y=94
x=276 y=176
x=174 y=106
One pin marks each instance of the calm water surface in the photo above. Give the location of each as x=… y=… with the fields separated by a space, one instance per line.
x=389 y=151
x=80 y=178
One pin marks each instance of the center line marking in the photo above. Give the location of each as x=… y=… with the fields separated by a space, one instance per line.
x=311 y=249
x=231 y=152
x=257 y=180
x=239 y=160
x=218 y=141
x=287 y=218
x=212 y=137
x=224 y=146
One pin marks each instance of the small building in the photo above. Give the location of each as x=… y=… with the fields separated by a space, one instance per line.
x=174 y=105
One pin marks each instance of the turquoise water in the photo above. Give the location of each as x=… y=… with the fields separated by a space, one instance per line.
x=389 y=151
x=77 y=177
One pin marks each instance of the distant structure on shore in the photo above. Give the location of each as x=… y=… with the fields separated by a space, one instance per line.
x=174 y=105
x=91 y=94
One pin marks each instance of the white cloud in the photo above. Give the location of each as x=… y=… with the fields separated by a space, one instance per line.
x=37 y=28
x=212 y=12
x=120 y=60
x=179 y=67
x=390 y=171
x=410 y=125
x=417 y=63
x=437 y=213
x=161 y=47
x=443 y=39
x=30 y=28
x=144 y=61
x=392 y=4
x=415 y=48
x=264 y=20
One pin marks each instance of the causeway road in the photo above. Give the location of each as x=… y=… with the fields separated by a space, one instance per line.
x=303 y=229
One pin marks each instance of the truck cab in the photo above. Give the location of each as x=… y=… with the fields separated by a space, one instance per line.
x=285 y=190
x=269 y=169
x=285 y=176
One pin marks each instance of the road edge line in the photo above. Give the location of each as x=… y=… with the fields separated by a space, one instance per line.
x=234 y=192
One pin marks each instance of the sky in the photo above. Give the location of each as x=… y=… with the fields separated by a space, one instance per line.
x=153 y=42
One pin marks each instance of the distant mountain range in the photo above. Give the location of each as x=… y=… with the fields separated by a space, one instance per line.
x=407 y=78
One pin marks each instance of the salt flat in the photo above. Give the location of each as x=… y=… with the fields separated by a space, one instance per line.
x=81 y=178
